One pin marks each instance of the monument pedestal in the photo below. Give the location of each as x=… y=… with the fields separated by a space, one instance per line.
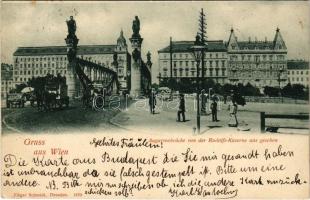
x=135 y=79
x=71 y=79
x=136 y=63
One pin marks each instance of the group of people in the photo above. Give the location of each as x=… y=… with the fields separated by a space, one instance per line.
x=232 y=107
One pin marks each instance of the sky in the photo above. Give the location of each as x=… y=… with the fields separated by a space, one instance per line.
x=43 y=23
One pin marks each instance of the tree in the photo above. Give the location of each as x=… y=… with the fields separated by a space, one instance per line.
x=298 y=91
x=287 y=91
x=155 y=86
x=209 y=83
x=250 y=90
x=228 y=88
x=271 y=91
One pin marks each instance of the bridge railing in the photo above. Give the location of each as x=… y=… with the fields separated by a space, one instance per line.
x=263 y=117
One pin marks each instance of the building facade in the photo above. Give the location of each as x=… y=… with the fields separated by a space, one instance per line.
x=298 y=72
x=6 y=79
x=184 y=64
x=39 y=61
x=260 y=63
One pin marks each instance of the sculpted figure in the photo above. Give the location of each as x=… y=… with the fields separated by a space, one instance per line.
x=71 y=26
x=136 y=26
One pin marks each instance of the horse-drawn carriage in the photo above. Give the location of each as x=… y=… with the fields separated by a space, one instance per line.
x=15 y=100
x=50 y=93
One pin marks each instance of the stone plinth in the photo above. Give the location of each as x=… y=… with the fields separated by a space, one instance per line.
x=135 y=72
x=135 y=90
x=71 y=79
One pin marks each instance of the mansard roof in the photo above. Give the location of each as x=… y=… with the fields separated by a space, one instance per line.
x=297 y=64
x=62 y=50
x=184 y=46
x=252 y=45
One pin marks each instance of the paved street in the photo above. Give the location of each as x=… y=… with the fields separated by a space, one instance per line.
x=137 y=117
x=74 y=119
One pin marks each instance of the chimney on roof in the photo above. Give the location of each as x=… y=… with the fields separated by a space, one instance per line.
x=265 y=39
x=255 y=39
x=249 y=39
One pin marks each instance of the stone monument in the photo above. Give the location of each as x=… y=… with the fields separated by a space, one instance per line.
x=71 y=41
x=136 y=63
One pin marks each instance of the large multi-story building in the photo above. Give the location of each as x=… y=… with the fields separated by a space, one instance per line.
x=6 y=79
x=38 y=61
x=184 y=64
x=259 y=63
x=298 y=72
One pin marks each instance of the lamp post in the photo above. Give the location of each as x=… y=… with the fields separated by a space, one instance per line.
x=210 y=99
x=198 y=50
x=7 y=76
x=279 y=80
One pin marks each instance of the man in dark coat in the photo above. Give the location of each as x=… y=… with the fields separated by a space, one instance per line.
x=214 y=110
x=181 y=110
x=152 y=101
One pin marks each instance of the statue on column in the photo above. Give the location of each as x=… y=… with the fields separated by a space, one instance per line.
x=71 y=39
x=71 y=26
x=136 y=27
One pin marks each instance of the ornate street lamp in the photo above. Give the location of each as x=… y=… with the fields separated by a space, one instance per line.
x=198 y=50
x=7 y=77
x=279 y=80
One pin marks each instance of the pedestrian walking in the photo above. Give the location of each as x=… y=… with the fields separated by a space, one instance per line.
x=214 y=110
x=203 y=102
x=233 y=108
x=152 y=101
x=181 y=110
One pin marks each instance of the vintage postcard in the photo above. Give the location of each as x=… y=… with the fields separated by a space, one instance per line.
x=173 y=100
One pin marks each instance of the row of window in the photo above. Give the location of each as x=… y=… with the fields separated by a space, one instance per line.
x=261 y=74
x=297 y=72
x=41 y=72
x=216 y=63
x=4 y=88
x=36 y=72
x=297 y=79
x=253 y=67
x=57 y=64
x=24 y=59
x=193 y=73
x=257 y=58
x=189 y=55
x=64 y=58
x=4 y=82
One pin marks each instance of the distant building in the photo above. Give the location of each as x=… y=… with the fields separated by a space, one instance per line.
x=38 y=61
x=259 y=63
x=184 y=64
x=6 y=79
x=298 y=72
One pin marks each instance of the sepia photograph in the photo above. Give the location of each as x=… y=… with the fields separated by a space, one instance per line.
x=190 y=67
x=155 y=99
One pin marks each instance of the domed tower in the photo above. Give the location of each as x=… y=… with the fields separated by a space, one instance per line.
x=121 y=45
